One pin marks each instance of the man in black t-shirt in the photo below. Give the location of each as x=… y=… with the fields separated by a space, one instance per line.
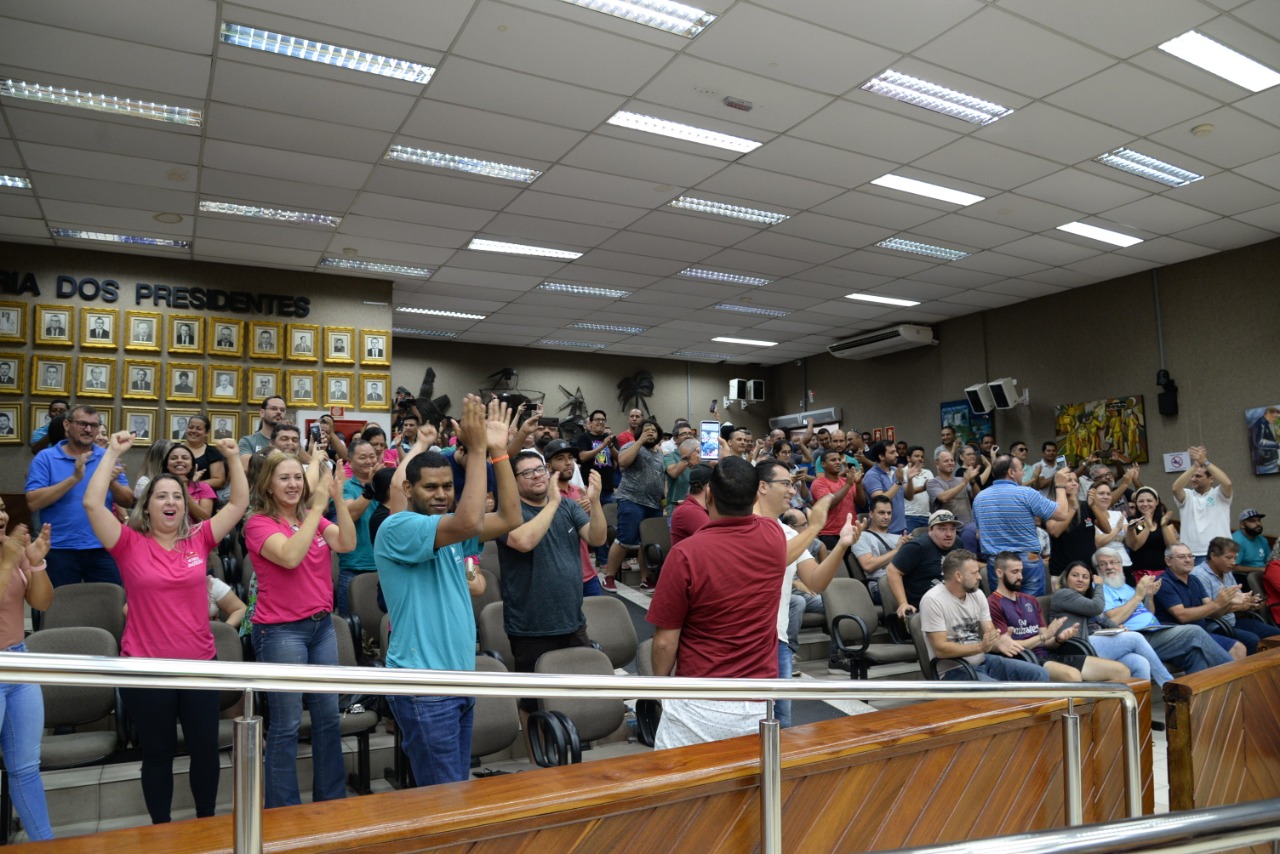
x=918 y=564
x=597 y=449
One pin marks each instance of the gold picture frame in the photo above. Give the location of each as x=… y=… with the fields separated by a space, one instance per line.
x=183 y=381
x=186 y=333
x=266 y=339
x=262 y=383
x=13 y=322
x=141 y=422
x=175 y=422
x=100 y=328
x=224 y=424
x=51 y=376
x=226 y=384
x=340 y=345
x=13 y=374
x=304 y=342
x=226 y=338
x=374 y=391
x=39 y=418
x=105 y=414
x=375 y=348
x=300 y=388
x=95 y=377
x=339 y=388
x=144 y=330
x=11 y=424
x=55 y=325
x=141 y=380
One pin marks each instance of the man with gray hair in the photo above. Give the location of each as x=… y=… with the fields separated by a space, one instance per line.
x=688 y=453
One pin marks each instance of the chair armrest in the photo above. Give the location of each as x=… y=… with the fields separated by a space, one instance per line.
x=571 y=731
x=838 y=621
x=960 y=664
x=494 y=654
x=1222 y=627
x=548 y=741
x=1077 y=646
x=648 y=714
x=653 y=555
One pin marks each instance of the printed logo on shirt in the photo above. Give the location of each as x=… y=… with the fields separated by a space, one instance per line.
x=194 y=559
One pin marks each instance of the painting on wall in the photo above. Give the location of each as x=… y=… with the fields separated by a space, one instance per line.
x=969 y=426
x=1264 y=438
x=1111 y=425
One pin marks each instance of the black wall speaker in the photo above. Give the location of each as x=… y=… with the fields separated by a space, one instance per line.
x=1167 y=401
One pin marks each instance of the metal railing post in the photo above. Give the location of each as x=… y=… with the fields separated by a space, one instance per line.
x=770 y=783
x=246 y=769
x=1132 y=754
x=1071 y=761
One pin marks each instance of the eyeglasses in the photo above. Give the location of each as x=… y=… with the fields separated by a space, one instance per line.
x=531 y=474
x=787 y=482
x=1183 y=557
x=87 y=425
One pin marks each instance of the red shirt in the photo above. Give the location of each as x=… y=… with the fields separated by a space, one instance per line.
x=687 y=519
x=573 y=493
x=168 y=595
x=720 y=588
x=288 y=595
x=835 y=517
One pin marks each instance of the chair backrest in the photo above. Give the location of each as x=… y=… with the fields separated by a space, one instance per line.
x=1045 y=608
x=922 y=650
x=75 y=705
x=492 y=593
x=247 y=574
x=489 y=558
x=611 y=522
x=850 y=596
x=227 y=640
x=216 y=568
x=362 y=600
x=491 y=633
x=99 y=604
x=496 y=722
x=346 y=646
x=644 y=658
x=655 y=532
x=594 y=719
x=1253 y=580
x=334 y=571
x=609 y=624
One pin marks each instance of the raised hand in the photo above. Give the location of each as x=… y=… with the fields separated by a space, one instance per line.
x=471 y=429
x=228 y=448
x=427 y=436
x=593 y=484
x=81 y=462
x=818 y=514
x=121 y=442
x=553 y=489
x=321 y=489
x=39 y=547
x=498 y=427
x=12 y=548
x=849 y=532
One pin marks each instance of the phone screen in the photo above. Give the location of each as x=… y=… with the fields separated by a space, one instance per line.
x=1061 y=462
x=709 y=436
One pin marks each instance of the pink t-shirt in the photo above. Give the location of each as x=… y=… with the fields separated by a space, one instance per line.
x=573 y=493
x=199 y=490
x=288 y=595
x=168 y=596
x=12 y=615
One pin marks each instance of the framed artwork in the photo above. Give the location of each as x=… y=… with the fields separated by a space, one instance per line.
x=1116 y=424
x=51 y=376
x=13 y=322
x=969 y=426
x=891 y=434
x=186 y=333
x=263 y=383
x=11 y=424
x=302 y=342
x=182 y=381
x=141 y=422
x=96 y=377
x=176 y=423
x=224 y=424
x=300 y=388
x=12 y=376
x=373 y=390
x=225 y=384
x=141 y=379
x=226 y=337
x=375 y=347
x=338 y=388
x=55 y=325
x=104 y=415
x=266 y=340
x=99 y=328
x=1264 y=455
x=39 y=418
x=339 y=345
x=144 y=330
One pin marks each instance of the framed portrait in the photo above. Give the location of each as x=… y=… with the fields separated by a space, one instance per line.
x=11 y=424
x=266 y=340
x=1261 y=424
x=339 y=388
x=182 y=381
x=224 y=424
x=303 y=342
x=95 y=377
x=143 y=331
x=226 y=337
x=300 y=388
x=141 y=380
x=375 y=347
x=39 y=418
x=13 y=379
x=55 y=325
x=51 y=376
x=175 y=423
x=263 y=383
x=13 y=322
x=186 y=333
x=225 y=384
x=340 y=345
x=99 y=328
x=373 y=391
x=141 y=422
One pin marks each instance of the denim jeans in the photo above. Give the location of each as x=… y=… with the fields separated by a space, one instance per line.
x=1034 y=578
x=998 y=668
x=782 y=708
x=22 y=710
x=914 y=522
x=345 y=577
x=73 y=566
x=1249 y=631
x=1188 y=648
x=436 y=736
x=302 y=642
x=1133 y=651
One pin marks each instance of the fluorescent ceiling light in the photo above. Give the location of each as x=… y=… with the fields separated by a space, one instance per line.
x=461 y=315
x=752 y=309
x=460 y=163
x=521 y=249
x=923 y=188
x=609 y=327
x=101 y=103
x=376 y=267
x=255 y=212
x=675 y=18
x=559 y=342
x=1221 y=60
x=15 y=181
x=1147 y=167
x=734 y=211
x=880 y=299
x=583 y=290
x=917 y=248
x=749 y=342
x=326 y=54
x=424 y=333
x=728 y=278
x=1105 y=235
x=689 y=133
x=702 y=354
x=931 y=96
x=119 y=238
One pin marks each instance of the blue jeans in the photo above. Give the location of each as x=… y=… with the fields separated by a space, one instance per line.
x=1188 y=648
x=345 y=577
x=1132 y=650
x=302 y=642
x=1249 y=631
x=998 y=668
x=914 y=522
x=73 y=566
x=782 y=708
x=436 y=736
x=1033 y=576
x=22 y=710
x=592 y=587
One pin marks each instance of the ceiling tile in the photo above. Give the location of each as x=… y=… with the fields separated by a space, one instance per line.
x=901 y=25
x=967 y=231
x=109 y=135
x=1133 y=99
x=297 y=94
x=985 y=163
x=404 y=232
x=644 y=162
x=832 y=230
x=1236 y=139
x=541 y=230
x=1167 y=250
x=424 y=213
x=236 y=252
x=1080 y=191
x=817 y=162
x=292 y=133
x=110 y=218
x=458 y=125
x=401 y=20
x=879 y=211
x=293 y=195
x=571 y=209
x=767 y=188
x=569 y=181
x=1052 y=133
x=882 y=263
x=1110 y=265
x=672 y=222
x=1022 y=288
x=263 y=233
x=103 y=192
x=181 y=25
x=96 y=164
x=998 y=263
x=1012 y=209
x=1130 y=27
x=879 y=133
x=1037 y=247
x=1228 y=194
x=659 y=247
x=1159 y=214
x=1224 y=234
x=1268 y=218
x=286 y=165
x=784 y=246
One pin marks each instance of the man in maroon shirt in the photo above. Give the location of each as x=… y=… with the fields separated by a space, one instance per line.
x=691 y=514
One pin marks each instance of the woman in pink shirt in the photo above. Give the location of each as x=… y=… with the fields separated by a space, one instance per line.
x=181 y=463
x=292 y=546
x=162 y=559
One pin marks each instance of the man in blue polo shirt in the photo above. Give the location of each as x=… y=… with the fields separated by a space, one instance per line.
x=56 y=483
x=886 y=478
x=1006 y=515
x=1182 y=598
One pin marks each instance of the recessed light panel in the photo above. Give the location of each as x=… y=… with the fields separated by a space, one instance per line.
x=582 y=345
x=882 y=300
x=325 y=54
x=688 y=133
x=461 y=163
x=136 y=240
x=16 y=182
x=376 y=267
x=1150 y=168
x=1105 y=235
x=256 y=212
x=748 y=342
x=63 y=97
x=732 y=211
x=460 y=315
x=481 y=245
x=923 y=188
x=752 y=309
x=583 y=290
x=927 y=249
x=423 y=333
x=609 y=327
x=1215 y=58
x=676 y=18
x=702 y=354
x=727 y=278
x=939 y=99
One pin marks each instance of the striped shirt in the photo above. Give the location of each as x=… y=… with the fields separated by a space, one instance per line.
x=1006 y=515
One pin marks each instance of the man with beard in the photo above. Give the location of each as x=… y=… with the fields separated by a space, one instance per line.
x=918 y=565
x=634 y=419
x=598 y=451
x=272 y=413
x=562 y=460
x=420 y=553
x=957 y=624
x=644 y=482
x=1254 y=547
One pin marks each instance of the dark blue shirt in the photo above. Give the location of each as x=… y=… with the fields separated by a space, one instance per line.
x=1173 y=591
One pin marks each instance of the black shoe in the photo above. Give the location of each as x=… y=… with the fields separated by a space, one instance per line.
x=840 y=664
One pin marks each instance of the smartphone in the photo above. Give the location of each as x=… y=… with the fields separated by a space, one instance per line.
x=315 y=432
x=709 y=436
x=1061 y=462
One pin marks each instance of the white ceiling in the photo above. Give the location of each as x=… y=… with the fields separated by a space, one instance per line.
x=532 y=82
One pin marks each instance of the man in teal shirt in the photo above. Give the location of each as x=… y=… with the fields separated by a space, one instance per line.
x=1254 y=548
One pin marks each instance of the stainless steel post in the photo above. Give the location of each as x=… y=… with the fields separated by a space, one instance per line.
x=1132 y=755
x=770 y=783
x=1071 y=762
x=246 y=769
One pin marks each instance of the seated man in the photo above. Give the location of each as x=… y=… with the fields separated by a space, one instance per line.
x=1183 y=598
x=1217 y=573
x=957 y=624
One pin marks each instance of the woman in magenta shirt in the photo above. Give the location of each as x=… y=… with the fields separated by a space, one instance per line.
x=162 y=559
x=181 y=463
x=292 y=546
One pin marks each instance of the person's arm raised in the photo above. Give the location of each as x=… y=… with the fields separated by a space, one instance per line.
x=226 y=519
x=106 y=527
x=508 y=516
x=597 y=531
x=288 y=550
x=817 y=576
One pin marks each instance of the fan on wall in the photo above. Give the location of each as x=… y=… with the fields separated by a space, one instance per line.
x=576 y=408
x=504 y=385
x=634 y=392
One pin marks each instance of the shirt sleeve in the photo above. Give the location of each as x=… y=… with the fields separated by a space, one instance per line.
x=246 y=445
x=408 y=538
x=577 y=514
x=1041 y=506
x=670 y=601
x=997 y=612
x=1166 y=597
x=39 y=473
x=935 y=488
x=931 y=619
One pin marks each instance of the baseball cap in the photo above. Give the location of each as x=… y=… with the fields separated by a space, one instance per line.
x=699 y=475
x=943 y=517
x=1251 y=514
x=557 y=446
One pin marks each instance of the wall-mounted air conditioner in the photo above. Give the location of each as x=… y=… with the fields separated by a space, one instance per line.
x=891 y=340
x=826 y=415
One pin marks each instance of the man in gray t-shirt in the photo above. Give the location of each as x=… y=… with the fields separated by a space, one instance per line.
x=948 y=492
x=874 y=551
x=639 y=497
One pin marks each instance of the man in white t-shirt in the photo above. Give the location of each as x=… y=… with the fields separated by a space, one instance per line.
x=1205 y=509
x=915 y=489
